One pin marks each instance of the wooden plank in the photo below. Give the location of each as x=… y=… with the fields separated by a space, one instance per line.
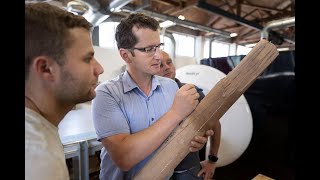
x=209 y=111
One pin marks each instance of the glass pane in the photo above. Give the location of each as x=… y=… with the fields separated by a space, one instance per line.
x=242 y=50
x=184 y=45
x=219 y=49
x=206 y=49
x=107 y=31
x=168 y=46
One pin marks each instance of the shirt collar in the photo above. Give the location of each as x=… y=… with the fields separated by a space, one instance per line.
x=129 y=84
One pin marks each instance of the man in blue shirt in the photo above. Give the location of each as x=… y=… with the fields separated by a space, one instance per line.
x=190 y=168
x=134 y=113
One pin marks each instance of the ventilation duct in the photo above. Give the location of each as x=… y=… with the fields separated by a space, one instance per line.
x=282 y=23
x=95 y=12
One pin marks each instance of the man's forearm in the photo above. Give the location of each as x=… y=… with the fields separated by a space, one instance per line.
x=215 y=139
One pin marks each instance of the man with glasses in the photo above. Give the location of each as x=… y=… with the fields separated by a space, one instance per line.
x=191 y=167
x=135 y=113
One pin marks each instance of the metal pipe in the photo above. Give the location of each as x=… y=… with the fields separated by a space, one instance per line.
x=286 y=22
x=97 y=14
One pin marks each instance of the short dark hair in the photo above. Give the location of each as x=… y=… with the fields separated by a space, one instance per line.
x=47 y=32
x=125 y=37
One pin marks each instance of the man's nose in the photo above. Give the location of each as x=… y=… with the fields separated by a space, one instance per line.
x=158 y=53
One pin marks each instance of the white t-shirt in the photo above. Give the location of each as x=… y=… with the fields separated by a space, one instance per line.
x=44 y=155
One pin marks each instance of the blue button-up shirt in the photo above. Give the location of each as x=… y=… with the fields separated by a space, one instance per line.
x=120 y=106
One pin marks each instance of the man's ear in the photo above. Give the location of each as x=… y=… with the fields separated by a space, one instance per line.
x=44 y=67
x=125 y=54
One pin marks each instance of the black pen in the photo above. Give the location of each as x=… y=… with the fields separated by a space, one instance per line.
x=198 y=89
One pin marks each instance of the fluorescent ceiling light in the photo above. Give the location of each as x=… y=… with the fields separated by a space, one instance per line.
x=167 y=23
x=233 y=34
x=77 y=7
x=181 y=17
x=283 y=49
x=250 y=45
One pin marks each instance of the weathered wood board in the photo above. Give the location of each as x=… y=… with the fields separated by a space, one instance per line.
x=220 y=98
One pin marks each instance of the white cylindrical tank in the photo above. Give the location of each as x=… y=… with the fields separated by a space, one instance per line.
x=236 y=123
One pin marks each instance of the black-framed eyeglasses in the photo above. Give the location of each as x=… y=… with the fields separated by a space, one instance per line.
x=150 y=49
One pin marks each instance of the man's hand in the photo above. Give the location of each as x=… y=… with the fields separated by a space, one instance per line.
x=208 y=169
x=198 y=142
x=185 y=101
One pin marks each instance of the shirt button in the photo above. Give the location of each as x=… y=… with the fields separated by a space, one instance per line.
x=152 y=119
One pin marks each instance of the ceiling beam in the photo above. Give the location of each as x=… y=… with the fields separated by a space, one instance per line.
x=238 y=5
x=262 y=7
x=241 y=34
x=182 y=10
x=184 y=23
x=250 y=13
x=220 y=12
x=187 y=23
x=229 y=6
x=169 y=2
